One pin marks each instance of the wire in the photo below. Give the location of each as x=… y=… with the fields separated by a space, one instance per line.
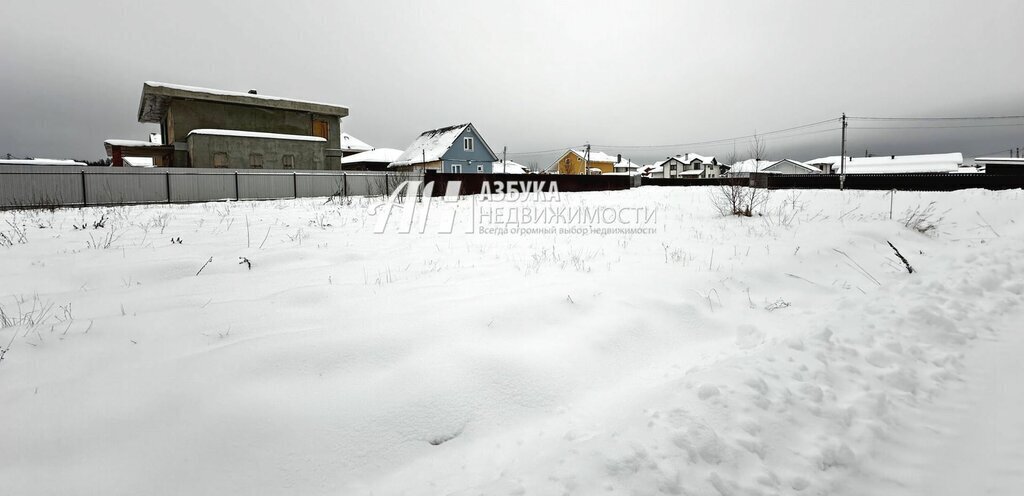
x=1017 y=124
x=725 y=140
x=972 y=118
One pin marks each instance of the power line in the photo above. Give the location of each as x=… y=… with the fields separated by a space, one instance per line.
x=1016 y=124
x=725 y=140
x=970 y=118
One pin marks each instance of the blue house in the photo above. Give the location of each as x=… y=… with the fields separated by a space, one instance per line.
x=452 y=149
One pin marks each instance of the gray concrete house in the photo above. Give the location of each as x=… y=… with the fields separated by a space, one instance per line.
x=452 y=149
x=204 y=127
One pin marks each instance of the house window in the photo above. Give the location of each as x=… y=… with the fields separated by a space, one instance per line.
x=255 y=160
x=456 y=168
x=467 y=144
x=220 y=160
x=288 y=161
x=479 y=168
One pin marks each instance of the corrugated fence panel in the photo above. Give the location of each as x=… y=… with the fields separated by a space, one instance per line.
x=103 y=188
x=364 y=184
x=202 y=187
x=40 y=189
x=265 y=186
x=320 y=185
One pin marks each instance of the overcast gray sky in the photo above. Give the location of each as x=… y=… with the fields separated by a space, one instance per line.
x=531 y=75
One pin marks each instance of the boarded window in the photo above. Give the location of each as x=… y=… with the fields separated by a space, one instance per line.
x=256 y=160
x=288 y=161
x=220 y=160
x=321 y=128
x=467 y=144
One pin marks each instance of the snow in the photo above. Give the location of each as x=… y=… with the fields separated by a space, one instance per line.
x=787 y=353
x=349 y=142
x=430 y=146
x=509 y=167
x=1000 y=160
x=132 y=143
x=809 y=168
x=896 y=164
x=138 y=161
x=749 y=165
x=379 y=155
x=211 y=91
x=40 y=161
x=251 y=134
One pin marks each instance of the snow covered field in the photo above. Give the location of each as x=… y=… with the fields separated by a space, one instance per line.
x=789 y=353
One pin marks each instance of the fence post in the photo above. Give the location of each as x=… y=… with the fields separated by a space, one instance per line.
x=344 y=184
x=295 y=184
x=85 y=198
x=168 y=176
x=387 y=189
x=238 y=194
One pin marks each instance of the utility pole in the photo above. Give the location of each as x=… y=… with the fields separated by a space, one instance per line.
x=842 y=158
x=586 y=161
x=504 y=154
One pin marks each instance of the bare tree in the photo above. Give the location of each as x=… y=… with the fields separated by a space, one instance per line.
x=735 y=196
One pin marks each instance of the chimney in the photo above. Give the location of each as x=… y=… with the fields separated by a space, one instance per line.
x=892 y=157
x=253 y=91
x=618 y=158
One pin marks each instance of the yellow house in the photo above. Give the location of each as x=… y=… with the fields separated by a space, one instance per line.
x=575 y=162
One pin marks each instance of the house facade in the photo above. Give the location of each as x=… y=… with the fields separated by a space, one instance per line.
x=248 y=124
x=688 y=165
x=575 y=161
x=455 y=149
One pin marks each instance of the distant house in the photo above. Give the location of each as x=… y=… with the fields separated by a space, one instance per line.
x=687 y=165
x=746 y=167
x=203 y=127
x=1001 y=165
x=891 y=164
x=377 y=159
x=42 y=162
x=452 y=149
x=575 y=161
x=350 y=145
x=790 y=166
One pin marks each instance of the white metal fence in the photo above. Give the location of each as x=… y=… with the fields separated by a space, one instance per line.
x=38 y=186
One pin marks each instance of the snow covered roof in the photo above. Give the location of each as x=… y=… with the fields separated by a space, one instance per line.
x=509 y=167
x=132 y=143
x=693 y=172
x=40 y=161
x=595 y=156
x=627 y=164
x=156 y=98
x=687 y=158
x=138 y=161
x=432 y=145
x=650 y=169
x=378 y=155
x=250 y=134
x=999 y=161
x=351 y=143
x=747 y=166
x=795 y=163
x=896 y=164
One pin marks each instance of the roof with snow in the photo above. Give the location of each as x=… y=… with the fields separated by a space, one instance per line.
x=40 y=161
x=351 y=143
x=896 y=164
x=509 y=167
x=431 y=145
x=688 y=159
x=795 y=163
x=377 y=155
x=157 y=97
x=131 y=143
x=251 y=134
x=138 y=161
x=999 y=161
x=747 y=166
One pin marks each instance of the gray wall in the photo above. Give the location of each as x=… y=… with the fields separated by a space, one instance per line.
x=457 y=154
x=184 y=116
x=309 y=155
x=35 y=186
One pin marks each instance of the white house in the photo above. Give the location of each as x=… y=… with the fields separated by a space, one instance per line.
x=892 y=164
x=687 y=165
x=790 y=166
